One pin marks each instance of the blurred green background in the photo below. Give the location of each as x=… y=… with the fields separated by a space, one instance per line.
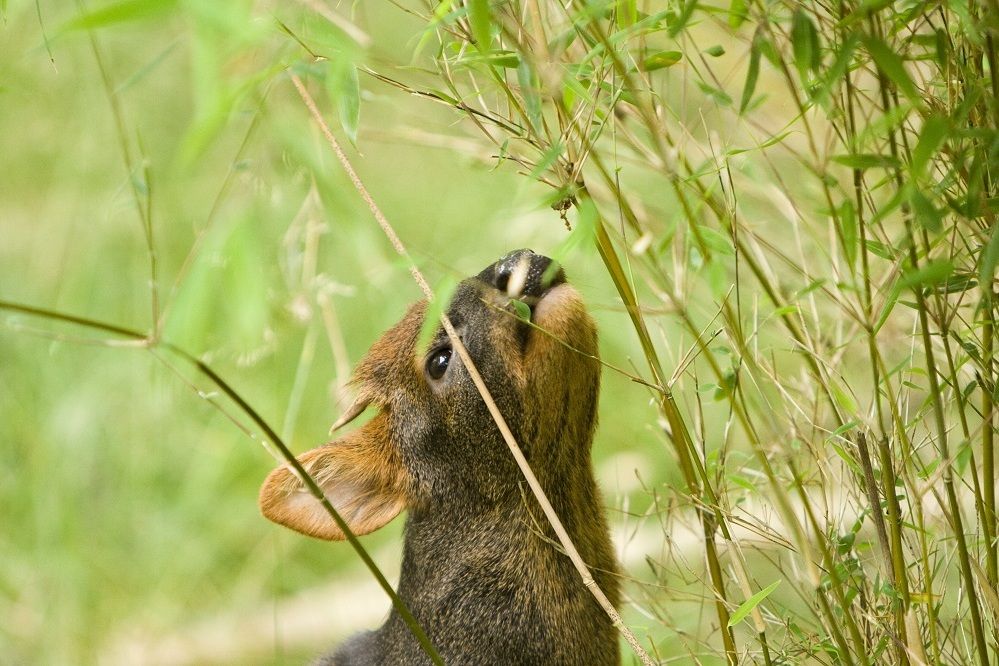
x=127 y=499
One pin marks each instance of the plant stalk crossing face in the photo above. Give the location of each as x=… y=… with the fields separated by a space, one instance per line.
x=479 y=571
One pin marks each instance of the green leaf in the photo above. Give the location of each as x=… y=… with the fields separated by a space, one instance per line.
x=809 y=288
x=500 y=58
x=963 y=457
x=773 y=140
x=719 y=96
x=837 y=70
x=940 y=43
x=583 y=234
x=846 y=457
x=866 y=161
x=849 y=230
x=549 y=158
x=479 y=17
x=958 y=282
x=892 y=66
x=715 y=241
x=753 y=72
x=786 y=310
x=626 y=14
x=727 y=386
x=529 y=90
x=931 y=138
x=661 y=60
x=227 y=299
x=925 y=212
x=888 y=306
x=843 y=398
x=345 y=91
x=933 y=273
x=880 y=249
x=880 y=126
x=562 y=41
x=752 y=602
x=681 y=20
x=120 y=12
x=888 y=207
x=990 y=257
x=743 y=482
x=521 y=309
x=805 y=43
x=715 y=51
x=716 y=277
x=846 y=427
x=737 y=13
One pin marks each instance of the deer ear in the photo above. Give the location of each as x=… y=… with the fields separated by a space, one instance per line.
x=361 y=475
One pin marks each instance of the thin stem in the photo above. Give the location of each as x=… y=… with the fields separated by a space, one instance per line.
x=525 y=468
x=964 y=557
x=275 y=439
x=143 y=201
x=988 y=444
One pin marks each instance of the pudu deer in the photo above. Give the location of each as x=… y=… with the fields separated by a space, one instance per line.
x=482 y=572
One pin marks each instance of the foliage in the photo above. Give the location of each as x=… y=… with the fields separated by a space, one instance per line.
x=828 y=246
x=791 y=205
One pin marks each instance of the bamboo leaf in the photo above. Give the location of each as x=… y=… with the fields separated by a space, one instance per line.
x=931 y=138
x=661 y=60
x=737 y=13
x=940 y=46
x=532 y=99
x=925 y=212
x=686 y=11
x=121 y=12
x=889 y=305
x=752 y=73
x=626 y=14
x=479 y=17
x=719 y=96
x=933 y=273
x=838 y=69
x=345 y=89
x=805 y=43
x=866 y=161
x=892 y=66
x=506 y=59
x=521 y=309
x=990 y=257
x=880 y=250
x=848 y=228
x=752 y=602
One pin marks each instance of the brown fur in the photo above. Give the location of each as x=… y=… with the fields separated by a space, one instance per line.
x=480 y=571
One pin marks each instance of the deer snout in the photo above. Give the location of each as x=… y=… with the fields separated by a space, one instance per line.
x=524 y=275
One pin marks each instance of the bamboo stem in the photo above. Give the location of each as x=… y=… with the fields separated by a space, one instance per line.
x=525 y=468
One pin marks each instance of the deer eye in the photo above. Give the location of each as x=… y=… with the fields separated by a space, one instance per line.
x=438 y=362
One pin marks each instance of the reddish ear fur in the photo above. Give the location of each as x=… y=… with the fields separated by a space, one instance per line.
x=361 y=476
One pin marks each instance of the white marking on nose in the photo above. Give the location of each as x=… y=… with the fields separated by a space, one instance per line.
x=518 y=278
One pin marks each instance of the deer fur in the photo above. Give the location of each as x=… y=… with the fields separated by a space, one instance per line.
x=482 y=571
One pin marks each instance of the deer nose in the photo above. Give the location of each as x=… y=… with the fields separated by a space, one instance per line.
x=525 y=273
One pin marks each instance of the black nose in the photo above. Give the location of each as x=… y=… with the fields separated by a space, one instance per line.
x=523 y=273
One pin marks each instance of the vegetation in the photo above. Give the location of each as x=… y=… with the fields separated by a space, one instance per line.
x=784 y=215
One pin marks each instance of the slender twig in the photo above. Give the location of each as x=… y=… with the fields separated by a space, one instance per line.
x=285 y=453
x=525 y=468
x=142 y=200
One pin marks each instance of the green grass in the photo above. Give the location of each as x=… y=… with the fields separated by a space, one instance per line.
x=783 y=218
